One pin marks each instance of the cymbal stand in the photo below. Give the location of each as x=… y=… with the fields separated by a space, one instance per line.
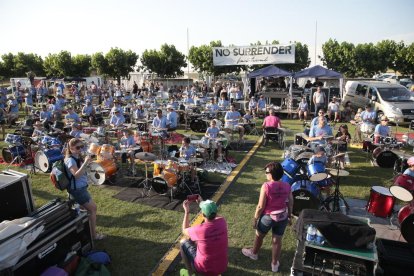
x=145 y=183
x=336 y=196
x=18 y=159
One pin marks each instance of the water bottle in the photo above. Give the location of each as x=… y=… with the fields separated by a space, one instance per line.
x=311 y=233
x=320 y=239
x=76 y=207
x=347 y=161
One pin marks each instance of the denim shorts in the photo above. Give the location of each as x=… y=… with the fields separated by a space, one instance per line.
x=190 y=250
x=266 y=222
x=80 y=195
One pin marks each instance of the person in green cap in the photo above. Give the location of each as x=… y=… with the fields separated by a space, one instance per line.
x=206 y=250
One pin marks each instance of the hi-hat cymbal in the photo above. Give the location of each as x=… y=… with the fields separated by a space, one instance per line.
x=195 y=160
x=146 y=156
x=338 y=142
x=336 y=172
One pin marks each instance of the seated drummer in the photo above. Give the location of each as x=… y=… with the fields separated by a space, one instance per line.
x=272 y=120
x=318 y=133
x=76 y=130
x=231 y=121
x=213 y=107
x=45 y=117
x=212 y=133
x=315 y=121
x=117 y=106
x=88 y=112
x=72 y=116
x=173 y=103
x=318 y=156
x=159 y=123
x=410 y=170
x=188 y=151
x=223 y=103
x=117 y=120
x=172 y=118
x=382 y=129
x=127 y=142
x=139 y=112
x=108 y=101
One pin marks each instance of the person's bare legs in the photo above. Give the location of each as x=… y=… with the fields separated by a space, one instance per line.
x=91 y=208
x=185 y=259
x=276 y=248
x=258 y=241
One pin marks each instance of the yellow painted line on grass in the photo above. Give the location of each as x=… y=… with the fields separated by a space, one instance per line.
x=169 y=257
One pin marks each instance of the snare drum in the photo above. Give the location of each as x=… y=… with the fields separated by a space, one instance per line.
x=107 y=152
x=12 y=152
x=381 y=202
x=13 y=139
x=406 y=220
x=290 y=167
x=316 y=171
x=305 y=196
x=403 y=187
x=44 y=159
x=385 y=158
x=171 y=166
x=101 y=170
x=94 y=149
x=146 y=146
x=184 y=167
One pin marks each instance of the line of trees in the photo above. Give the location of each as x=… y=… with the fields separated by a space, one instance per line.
x=367 y=59
x=362 y=60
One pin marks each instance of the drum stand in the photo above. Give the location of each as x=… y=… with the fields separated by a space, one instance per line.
x=145 y=183
x=335 y=197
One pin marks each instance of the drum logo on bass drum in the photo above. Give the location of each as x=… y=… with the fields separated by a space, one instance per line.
x=302 y=196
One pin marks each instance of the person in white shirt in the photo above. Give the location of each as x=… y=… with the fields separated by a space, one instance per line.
x=303 y=109
x=318 y=100
x=333 y=108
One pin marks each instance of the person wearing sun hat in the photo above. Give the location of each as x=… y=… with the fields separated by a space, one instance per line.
x=206 y=250
x=410 y=170
x=382 y=129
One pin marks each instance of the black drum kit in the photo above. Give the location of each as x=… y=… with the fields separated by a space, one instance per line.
x=381 y=150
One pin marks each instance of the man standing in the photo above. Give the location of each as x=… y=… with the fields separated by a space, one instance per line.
x=206 y=252
x=318 y=100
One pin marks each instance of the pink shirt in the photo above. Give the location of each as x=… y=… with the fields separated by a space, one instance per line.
x=212 y=246
x=271 y=121
x=277 y=195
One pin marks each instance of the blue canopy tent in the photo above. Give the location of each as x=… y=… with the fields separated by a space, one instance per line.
x=318 y=71
x=269 y=71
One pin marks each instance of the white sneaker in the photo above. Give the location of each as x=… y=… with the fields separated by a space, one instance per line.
x=275 y=268
x=249 y=253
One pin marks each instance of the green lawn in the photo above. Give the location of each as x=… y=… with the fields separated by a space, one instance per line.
x=138 y=235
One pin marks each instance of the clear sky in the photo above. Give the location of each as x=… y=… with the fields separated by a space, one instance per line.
x=89 y=26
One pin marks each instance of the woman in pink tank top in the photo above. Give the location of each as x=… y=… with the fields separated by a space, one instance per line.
x=273 y=211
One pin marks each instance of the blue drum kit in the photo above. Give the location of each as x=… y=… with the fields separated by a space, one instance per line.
x=308 y=180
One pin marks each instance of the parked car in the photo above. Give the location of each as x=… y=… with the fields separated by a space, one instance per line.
x=381 y=77
x=392 y=100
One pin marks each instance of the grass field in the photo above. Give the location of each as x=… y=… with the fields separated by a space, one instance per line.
x=138 y=235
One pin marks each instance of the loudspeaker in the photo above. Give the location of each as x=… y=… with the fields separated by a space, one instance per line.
x=16 y=199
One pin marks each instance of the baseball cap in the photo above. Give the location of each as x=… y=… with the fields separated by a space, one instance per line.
x=208 y=207
x=410 y=161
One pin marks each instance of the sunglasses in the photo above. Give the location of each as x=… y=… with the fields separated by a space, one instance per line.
x=79 y=147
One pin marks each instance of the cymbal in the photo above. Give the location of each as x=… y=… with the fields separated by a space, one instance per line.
x=191 y=136
x=339 y=155
x=195 y=160
x=338 y=142
x=89 y=138
x=328 y=137
x=335 y=172
x=146 y=156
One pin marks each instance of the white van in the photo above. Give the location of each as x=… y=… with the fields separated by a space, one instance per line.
x=393 y=100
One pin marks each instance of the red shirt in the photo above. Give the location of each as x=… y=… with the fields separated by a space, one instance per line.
x=212 y=246
x=271 y=121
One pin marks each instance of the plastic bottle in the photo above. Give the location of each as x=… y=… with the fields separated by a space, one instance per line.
x=76 y=207
x=347 y=161
x=320 y=239
x=311 y=233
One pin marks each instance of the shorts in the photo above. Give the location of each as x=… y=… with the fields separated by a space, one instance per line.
x=265 y=223
x=190 y=250
x=80 y=195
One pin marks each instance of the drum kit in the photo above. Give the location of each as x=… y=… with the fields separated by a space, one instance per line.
x=381 y=150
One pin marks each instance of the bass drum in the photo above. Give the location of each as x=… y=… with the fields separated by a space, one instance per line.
x=381 y=202
x=45 y=159
x=384 y=158
x=101 y=170
x=198 y=125
x=305 y=196
x=12 y=152
x=406 y=220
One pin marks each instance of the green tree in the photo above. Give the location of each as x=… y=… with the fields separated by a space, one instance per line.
x=81 y=65
x=120 y=63
x=302 y=59
x=406 y=59
x=8 y=65
x=25 y=64
x=168 y=62
x=339 y=57
x=99 y=63
x=58 y=65
x=388 y=53
x=367 y=60
x=202 y=60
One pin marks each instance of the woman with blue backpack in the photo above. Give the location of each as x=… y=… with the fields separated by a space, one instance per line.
x=78 y=189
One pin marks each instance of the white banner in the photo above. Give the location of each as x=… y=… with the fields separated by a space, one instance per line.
x=249 y=55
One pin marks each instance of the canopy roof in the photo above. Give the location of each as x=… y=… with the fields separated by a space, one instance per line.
x=317 y=71
x=269 y=71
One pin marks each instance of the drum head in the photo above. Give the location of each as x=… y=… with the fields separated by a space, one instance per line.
x=7 y=155
x=42 y=162
x=386 y=159
x=401 y=193
x=407 y=228
x=304 y=199
x=159 y=185
x=96 y=173
x=381 y=190
x=318 y=177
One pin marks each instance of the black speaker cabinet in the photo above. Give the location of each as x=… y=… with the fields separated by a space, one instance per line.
x=16 y=199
